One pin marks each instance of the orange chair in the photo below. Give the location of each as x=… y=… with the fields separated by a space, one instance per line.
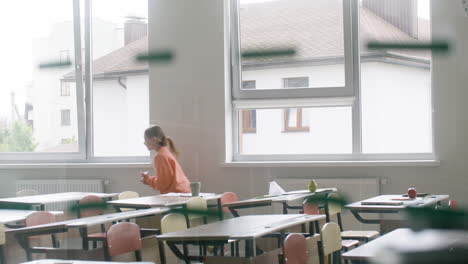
x=92 y=199
x=40 y=218
x=453 y=204
x=123 y=238
x=295 y=249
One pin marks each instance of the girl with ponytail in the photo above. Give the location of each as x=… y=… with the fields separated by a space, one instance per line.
x=169 y=175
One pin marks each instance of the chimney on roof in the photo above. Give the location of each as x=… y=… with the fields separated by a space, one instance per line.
x=135 y=28
x=403 y=14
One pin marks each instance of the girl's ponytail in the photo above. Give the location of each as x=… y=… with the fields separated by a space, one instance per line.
x=172 y=147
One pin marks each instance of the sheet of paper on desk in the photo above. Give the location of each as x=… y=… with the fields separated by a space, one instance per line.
x=381 y=203
x=275 y=189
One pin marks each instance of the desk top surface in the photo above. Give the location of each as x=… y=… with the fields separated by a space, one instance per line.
x=9 y=215
x=287 y=197
x=243 y=227
x=54 y=198
x=395 y=202
x=57 y=261
x=404 y=239
x=90 y=221
x=160 y=200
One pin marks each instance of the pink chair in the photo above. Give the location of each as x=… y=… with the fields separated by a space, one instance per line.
x=92 y=199
x=40 y=218
x=453 y=204
x=295 y=249
x=228 y=197
x=123 y=238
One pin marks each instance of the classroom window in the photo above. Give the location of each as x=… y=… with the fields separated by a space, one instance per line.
x=64 y=89
x=249 y=117
x=294 y=119
x=116 y=91
x=386 y=94
x=65 y=117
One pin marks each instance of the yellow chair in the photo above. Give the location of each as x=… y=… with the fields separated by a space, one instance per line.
x=128 y=195
x=2 y=243
x=334 y=209
x=171 y=223
x=330 y=243
x=196 y=204
x=26 y=192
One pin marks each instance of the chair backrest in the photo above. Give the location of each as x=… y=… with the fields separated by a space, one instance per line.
x=2 y=234
x=91 y=199
x=198 y=204
x=310 y=208
x=173 y=223
x=123 y=238
x=295 y=249
x=453 y=204
x=331 y=238
x=228 y=197
x=333 y=207
x=26 y=192
x=40 y=218
x=128 y=195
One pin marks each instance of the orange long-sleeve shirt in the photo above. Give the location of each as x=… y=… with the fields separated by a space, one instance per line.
x=169 y=175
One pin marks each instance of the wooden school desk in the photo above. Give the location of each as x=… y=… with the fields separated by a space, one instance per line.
x=390 y=204
x=247 y=228
x=39 y=201
x=284 y=199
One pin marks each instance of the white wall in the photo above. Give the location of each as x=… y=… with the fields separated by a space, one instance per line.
x=187 y=100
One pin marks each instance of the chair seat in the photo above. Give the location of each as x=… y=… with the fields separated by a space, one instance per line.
x=349 y=243
x=97 y=236
x=366 y=235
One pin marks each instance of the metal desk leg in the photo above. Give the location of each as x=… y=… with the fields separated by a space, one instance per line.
x=162 y=253
x=285 y=208
x=84 y=238
x=250 y=248
x=220 y=209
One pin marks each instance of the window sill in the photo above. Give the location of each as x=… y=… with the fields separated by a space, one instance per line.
x=75 y=165
x=377 y=163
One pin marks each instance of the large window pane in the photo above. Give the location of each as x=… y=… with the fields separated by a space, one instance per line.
x=120 y=84
x=38 y=111
x=329 y=132
x=313 y=28
x=395 y=85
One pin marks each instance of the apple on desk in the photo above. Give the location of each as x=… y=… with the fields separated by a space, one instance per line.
x=412 y=192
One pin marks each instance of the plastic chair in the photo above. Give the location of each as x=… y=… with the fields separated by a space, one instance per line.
x=228 y=197
x=92 y=199
x=295 y=249
x=334 y=209
x=40 y=218
x=197 y=204
x=453 y=204
x=128 y=195
x=330 y=243
x=123 y=238
x=2 y=243
x=26 y=192
x=171 y=223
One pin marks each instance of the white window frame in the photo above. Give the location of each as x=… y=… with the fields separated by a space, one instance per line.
x=85 y=153
x=349 y=95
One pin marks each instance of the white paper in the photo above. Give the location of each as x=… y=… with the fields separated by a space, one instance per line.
x=275 y=189
x=187 y=194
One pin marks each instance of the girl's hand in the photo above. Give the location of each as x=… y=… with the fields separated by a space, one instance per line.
x=143 y=176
